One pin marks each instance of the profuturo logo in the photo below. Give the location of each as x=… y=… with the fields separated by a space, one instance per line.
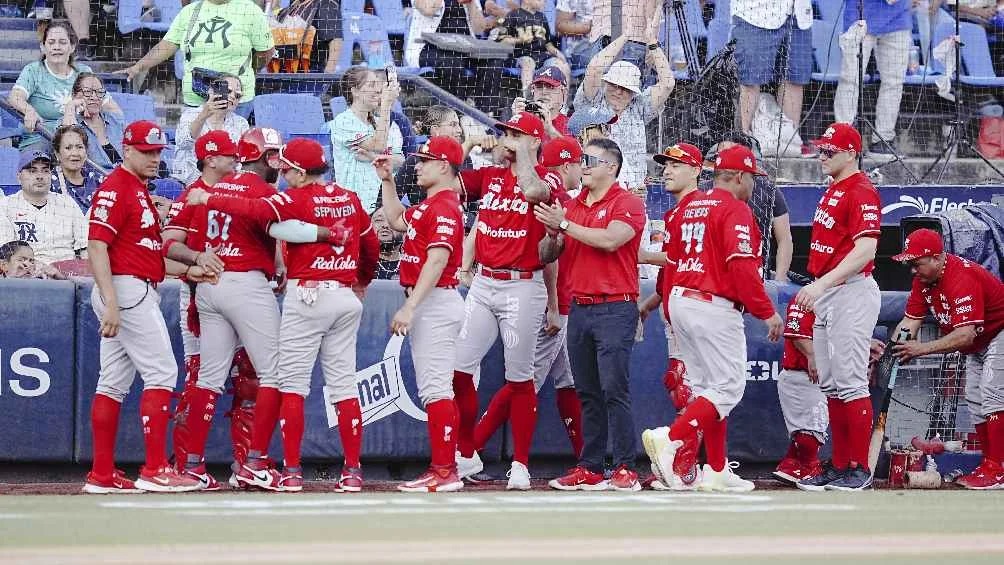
x=936 y=204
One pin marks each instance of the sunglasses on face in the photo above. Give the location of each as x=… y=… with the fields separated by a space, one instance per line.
x=589 y=161
x=829 y=153
x=100 y=93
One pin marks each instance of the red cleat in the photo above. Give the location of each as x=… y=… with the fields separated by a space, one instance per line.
x=790 y=471
x=290 y=482
x=435 y=479
x=988 y=476
x=166 y=479
x=625 y=479
x=115 y=484
x=258 y=473
x=351 y=479
x=580 y=478
x=208 y=482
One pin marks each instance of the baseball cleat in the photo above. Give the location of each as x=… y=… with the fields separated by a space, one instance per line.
x=116 y=484
x=989 y=475
x=467 y=467
x=854 y=479
x=625 y=479
x=725 y=480
x=685 y=462
x=234 y=483
x=435 y=479
x=519 y=477
x=206 y=481
x=579 y=478
x=166 y=479
x=662 y=452
x=257 y=473
x=790 y=471
x=290 y=482
x=818 y=481
x=351 y=479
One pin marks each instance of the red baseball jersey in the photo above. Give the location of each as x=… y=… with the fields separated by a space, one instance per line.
x=671 y=225
x=123 y=216
x=508 y=232
x=179 y=217
x=965 y=295
x=242 y=243
x=849 y=209
x=437 y=222
x=594 y=272
x=797 y=325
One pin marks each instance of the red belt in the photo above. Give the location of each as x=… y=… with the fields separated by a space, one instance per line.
x=410 y=289
x=705 y=297
x=506 y=274
x=603 y=299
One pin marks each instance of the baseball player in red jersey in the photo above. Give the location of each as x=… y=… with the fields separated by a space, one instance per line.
x=322 y=314
x=846 y=301
x=127 y=260
x=716 y=252
x=508 y=295
x=968 y=303
x=802 y=402
x=682 y=164
x=433 y=310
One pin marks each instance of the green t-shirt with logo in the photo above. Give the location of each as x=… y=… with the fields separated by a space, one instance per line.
x=47 y=93
x=221 y=40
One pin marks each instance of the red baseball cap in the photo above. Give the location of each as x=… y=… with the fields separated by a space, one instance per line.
x=558 y=151
x=300 y=153
x=737 y=158
x=442 y=148
x=921 y=243
x=144 y=135
x=681 y=152
x=213 y=144
x=524 y=122
x=840 y=137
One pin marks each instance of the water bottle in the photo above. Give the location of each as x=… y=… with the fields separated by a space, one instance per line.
x=914 y=64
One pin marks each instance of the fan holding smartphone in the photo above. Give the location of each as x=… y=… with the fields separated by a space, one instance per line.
x=223 y=93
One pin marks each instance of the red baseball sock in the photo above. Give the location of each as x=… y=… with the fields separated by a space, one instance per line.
x=522 y=419
x=493 y=418
x=350 y=428
x=995 y=437
x=202 y=406
x=266 y=414
x=792 y=452
x=442 y=431
x=695 y=417
x=291 y=428
x=466 y=397
x=859 y=422
x=570 y=411
x=104 y=427
x=714 y=444
x=807 y=447
x=838 y=431
x=155 y=412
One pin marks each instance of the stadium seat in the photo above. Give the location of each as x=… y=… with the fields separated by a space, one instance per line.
x=550 y=13
x=135 y=106
x=719 y=28
x=291 y=114
x=391 y=12
x=9 y=158
x=368 y=32
x=827 y=53
x=978 y=66
x=129 y=12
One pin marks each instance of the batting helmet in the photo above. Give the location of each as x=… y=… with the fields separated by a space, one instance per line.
x=255 y=142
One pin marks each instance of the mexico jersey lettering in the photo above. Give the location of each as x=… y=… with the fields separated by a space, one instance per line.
x=323 y=205
x=437 y=222
x=965 y=295
x=797 y=325
x=508 y=232
x=123 y=216
x=849 y=209
x=709 y=231
x=242 y=243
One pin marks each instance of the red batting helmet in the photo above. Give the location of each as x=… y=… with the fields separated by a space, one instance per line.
x=255 y=142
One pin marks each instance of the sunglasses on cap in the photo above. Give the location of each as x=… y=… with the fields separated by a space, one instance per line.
x=287 y=162
x=674 y=152
x=589 y=161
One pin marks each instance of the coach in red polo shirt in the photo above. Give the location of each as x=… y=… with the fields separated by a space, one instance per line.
x=600 y=233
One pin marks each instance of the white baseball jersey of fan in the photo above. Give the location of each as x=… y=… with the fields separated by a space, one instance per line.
x=54 y=231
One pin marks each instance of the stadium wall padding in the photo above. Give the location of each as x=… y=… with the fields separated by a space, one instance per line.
x=50 y=363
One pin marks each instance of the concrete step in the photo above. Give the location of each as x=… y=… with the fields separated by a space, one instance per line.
x=18 y=24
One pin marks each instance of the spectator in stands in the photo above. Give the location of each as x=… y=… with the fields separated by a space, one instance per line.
x=763 y=30
x=390 y=246
x=162 y=205
x=73 y=175
x=217 y=113
x=103 y=127
x=52 y=224
x=890 y=34
x=574 y=22
x=361 y=132
x=767 y=202
x=526 y=29
x=17 y=261
x=616 y=87
x=328 y=38
x=228 y=36
x=43 y=87
x=549 y=91
x=990 y=15
x=475 y=79
x=636 y=17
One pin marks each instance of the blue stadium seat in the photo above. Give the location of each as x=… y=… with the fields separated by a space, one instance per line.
x=135 y=106
x=551 y=14
x=9 y=158
x=130 y=10
x=10 y=124
x=368 y=32
x=391 y=12
x=719 y=30
x=290 y=114
x=978 y=66
x=826 y=51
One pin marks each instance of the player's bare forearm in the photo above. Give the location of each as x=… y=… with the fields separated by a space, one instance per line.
x=101 y=267
x=785 y=247
x=175 y=268
x=550 y=248
x=177 y=250
x=393 y=210
x=551 y=284
x=431 y=271
x=863 y=252
x=646 y=257
x=911 y=325
x=957 y=339
x=651 y=303
x=467 y=260
x=534 y=188
x=665 y=82
x=608 y=239
x=804 y=346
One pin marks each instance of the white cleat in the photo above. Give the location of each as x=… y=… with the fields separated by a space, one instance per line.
x=469 y=466
x=661 y=451
x=519 y=477
x=724 y=481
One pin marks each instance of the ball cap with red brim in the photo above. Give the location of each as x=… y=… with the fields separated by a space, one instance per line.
x=524 y=122
x=300 y=153
x=921 y=243
x=551 y=76
x=441 y=148
x=737 y=158
x=840 y=136
x=559 y=151
x=682 y=153
x=145 y=136
x=215 y=143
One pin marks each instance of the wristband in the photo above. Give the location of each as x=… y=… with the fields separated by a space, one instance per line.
x=653 y=47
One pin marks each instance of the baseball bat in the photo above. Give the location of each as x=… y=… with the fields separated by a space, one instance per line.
x=878 y=434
